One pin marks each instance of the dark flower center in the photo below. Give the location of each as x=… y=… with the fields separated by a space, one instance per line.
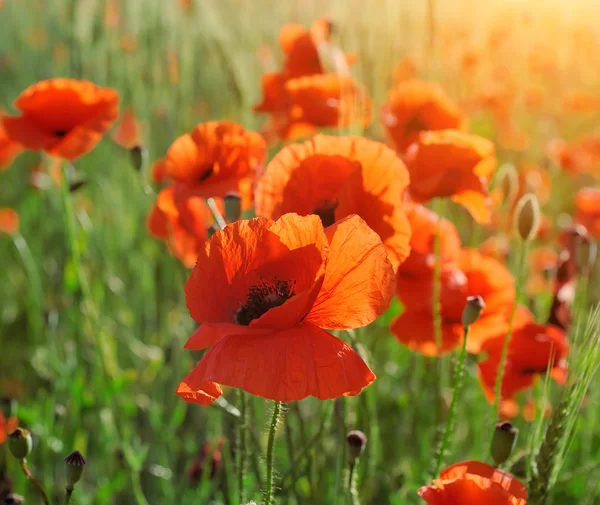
x=415 y=125
x=60 y=133
x=205 y=175
x=326 y=212
x=262 y=297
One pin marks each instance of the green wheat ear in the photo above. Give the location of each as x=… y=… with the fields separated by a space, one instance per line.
x=584 y=361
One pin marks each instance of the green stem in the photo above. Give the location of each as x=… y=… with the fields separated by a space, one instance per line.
x=503 y=356
x=458 y=383
x=437 y=276
x=68 y=496
x=219 y=219
x=270 y=446
x=352 y=483
x=242 y=448
x=34 y=481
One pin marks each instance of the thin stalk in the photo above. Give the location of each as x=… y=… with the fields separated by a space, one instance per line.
x=352 y=490
x=219 y=219
x=68 y=496
x=437 y=276
x=34 y=481
x=502 y=364
x=269 y=457
x=458 y=383
x=242 y=426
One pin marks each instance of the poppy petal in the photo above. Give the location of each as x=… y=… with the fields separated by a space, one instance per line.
x=202 y=393
x=359 y=278
x=285 y=365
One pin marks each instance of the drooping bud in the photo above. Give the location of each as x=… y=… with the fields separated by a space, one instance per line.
x=503 y=442
x=357 y=441
x=472 y=310
x=75 y=463
x=138 y=155
x=585 y=255
x=527 y=217
x=20 y=443
x=508 y=181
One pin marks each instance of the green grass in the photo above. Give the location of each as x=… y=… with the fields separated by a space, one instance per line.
x=98 y=373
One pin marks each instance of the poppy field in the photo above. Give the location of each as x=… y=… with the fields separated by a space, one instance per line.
x=301 y=252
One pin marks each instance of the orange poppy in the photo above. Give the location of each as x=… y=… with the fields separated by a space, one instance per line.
x=474 y=483
x=543 y=262
x=472 y=275
x=450 y=163
x=9 y=221
x=214 y=159
x=413 y=106
x=587 y=203
x=181 y=219
x=264 y=290
x=334 y=177
x=533 y=349
x=7 y=426
x=9 y=149
x=128 y=132
x=64 y=117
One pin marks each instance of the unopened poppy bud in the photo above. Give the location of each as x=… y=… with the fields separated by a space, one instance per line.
x=233 y=207
x=137 y=154
x=13 y=499
x=20 y=443
x=527 y=216
x=472 y=310
x=508 y=181
x=74 y=468
x=585 y=255
x=503 y=442
x=357 y=441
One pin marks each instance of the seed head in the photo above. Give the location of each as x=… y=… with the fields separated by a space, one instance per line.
x=20 y=443
x=357 y=441
x=75 y=463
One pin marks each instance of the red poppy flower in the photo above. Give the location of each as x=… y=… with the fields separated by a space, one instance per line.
x=9 y=221
x=413 y=106
x=64 y=117
x=128 y=132
x=450 y=163
x=181 y=219
x=334 y=177
x=533 y=349
x=587 y=202
x=474 y=483
x=214 y=159
x=263 y=290
x=7 y=426
x=472 y=275
x=9 y=149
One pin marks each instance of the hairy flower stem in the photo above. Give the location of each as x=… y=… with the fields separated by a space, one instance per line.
x=502 y=363
x=34 y=481
x=437 y=276
x=269 y=491
x=458 y=383
x=352 y=491
x=68 y=496
x=242 y=426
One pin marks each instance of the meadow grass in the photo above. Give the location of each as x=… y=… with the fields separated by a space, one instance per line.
x=92 y=347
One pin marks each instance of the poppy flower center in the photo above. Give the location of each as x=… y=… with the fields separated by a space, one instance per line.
x=206 y=175
x=60 y=133
x=262 y=297
x=415 y=125
x=326 y=212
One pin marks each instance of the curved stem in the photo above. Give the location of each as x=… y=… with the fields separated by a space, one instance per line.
x=352 y=483
x=34 y=481
x=458 y=383
x=68 y=496
x=242 y=447
x=502 y=363
x=270 y=446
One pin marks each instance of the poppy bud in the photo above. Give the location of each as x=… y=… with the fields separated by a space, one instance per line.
x=503 y=442
x=472 y=310
x=508 y=181
x=74 y=186
x=519 y=467
x=233 y=207
x=137 y=154
x=357 y=441
x=20 y=443
x=74 y=468
x=527 y=216
x=585 y=255
x=13 y=499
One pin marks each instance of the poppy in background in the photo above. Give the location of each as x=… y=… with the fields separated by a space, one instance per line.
x=474 y=483
x=264 y=290
x=9 y=221
x=450 y=163
x=414 y=106
x=9 y=149
x=128 y=132
x=215 y=159
x=587 y=213
x=7 y=426
x=334 y=177
x=64 y=117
